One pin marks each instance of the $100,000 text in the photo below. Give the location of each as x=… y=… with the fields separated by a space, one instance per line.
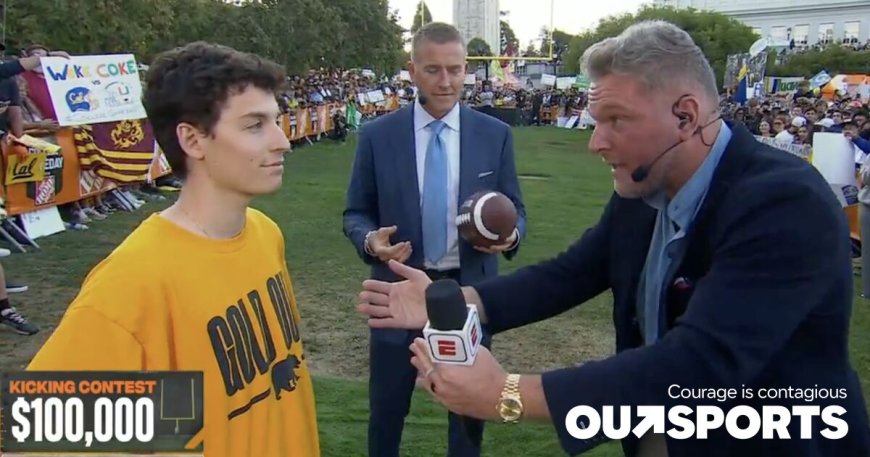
x=54 y=419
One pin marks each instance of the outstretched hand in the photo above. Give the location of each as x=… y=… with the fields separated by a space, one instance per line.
x=384 y=250
x=396 y=305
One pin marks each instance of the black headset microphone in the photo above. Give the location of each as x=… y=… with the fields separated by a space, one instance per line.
x=642 y=172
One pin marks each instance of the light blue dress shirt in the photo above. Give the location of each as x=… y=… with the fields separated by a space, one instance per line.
x=674 y=217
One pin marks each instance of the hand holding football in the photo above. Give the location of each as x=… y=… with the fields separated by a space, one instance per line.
x=487 y=218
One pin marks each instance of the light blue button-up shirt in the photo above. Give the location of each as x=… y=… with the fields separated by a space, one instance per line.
x=674 y=217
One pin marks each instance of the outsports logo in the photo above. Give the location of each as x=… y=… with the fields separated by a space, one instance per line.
x=685 y=422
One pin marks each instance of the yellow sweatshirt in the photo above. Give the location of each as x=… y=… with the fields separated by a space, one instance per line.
x=167 y=299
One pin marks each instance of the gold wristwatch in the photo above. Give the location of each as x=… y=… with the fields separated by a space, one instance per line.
x=510 y=405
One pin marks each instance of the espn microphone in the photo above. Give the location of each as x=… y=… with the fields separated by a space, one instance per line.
x=453 y=331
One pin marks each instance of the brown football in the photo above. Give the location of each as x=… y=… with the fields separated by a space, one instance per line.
x=486 y=218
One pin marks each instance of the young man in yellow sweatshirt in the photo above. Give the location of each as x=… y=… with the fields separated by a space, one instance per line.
x=204 y=285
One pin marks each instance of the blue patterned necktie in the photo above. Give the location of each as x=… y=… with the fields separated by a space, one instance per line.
x=435 y=196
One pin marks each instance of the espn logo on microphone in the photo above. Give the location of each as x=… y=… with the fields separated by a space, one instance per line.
x=448 y=348
x=455 y=346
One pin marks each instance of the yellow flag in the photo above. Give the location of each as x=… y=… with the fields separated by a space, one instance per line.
x=30 y=168
x=743 y=71
x=496 y=70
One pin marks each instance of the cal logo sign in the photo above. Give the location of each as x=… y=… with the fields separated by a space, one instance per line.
x=25 y=169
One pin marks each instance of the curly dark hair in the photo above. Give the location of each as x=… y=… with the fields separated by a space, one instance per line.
x=192 y=83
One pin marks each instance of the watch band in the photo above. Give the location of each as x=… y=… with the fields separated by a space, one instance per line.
x=511 y=404
x=366 y=247
x=512 y=385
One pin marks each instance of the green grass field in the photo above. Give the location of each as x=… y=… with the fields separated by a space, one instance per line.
x=564 y=189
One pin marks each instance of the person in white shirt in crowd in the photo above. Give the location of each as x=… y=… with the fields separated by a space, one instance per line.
x=788 y=135
x=486 y=95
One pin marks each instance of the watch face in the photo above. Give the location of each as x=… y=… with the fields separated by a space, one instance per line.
x=510 y=409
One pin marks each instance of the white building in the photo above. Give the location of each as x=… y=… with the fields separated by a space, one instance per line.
x=478 y=19
x=806 y=21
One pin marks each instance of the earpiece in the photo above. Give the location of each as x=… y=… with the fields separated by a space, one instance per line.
x=642 y=172
x=684 y=120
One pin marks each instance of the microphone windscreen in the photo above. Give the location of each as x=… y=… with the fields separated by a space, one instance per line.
x=445 y=305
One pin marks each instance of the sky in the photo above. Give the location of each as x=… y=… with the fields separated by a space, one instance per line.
x=528 y=16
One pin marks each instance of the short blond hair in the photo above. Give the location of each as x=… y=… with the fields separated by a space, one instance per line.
x=436 y=32
x=659 y=53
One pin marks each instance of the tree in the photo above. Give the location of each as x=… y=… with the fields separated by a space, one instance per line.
x=509 y=42
x=531 y=50
x=377 y=45
x=87 y=26
x=716 y=34
x=478 y=47
x=395 y=56
x=299 y=34
x=561 y=40
x=833 y=59
x=420 y=21
x=200 y=20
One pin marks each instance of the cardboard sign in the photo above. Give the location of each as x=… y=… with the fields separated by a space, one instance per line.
x=94 y=89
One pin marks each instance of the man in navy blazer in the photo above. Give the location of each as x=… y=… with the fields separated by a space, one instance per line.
x=729 y=264
x=402 y=204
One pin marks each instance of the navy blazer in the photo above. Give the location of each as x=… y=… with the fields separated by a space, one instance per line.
x=761 y=297
x=384 y=191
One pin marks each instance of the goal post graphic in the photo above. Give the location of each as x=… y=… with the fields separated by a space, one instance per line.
x=177 y=402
